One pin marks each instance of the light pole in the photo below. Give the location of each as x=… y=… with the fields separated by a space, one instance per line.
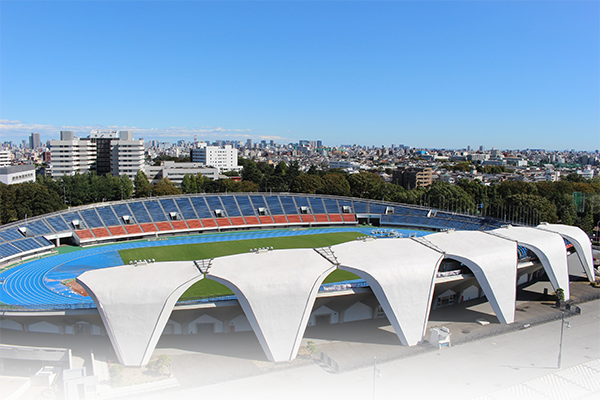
x=562 y=327
x=376 y=374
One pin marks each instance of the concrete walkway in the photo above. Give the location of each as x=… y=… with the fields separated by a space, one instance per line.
x=495 y=367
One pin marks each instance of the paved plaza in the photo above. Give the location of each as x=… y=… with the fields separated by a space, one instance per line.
x=520 y=364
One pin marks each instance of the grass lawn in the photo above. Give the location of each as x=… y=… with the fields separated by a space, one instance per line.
x=199 y=251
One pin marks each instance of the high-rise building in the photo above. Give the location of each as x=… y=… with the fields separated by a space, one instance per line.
x=35 y=141
x=412 y=177
x=106 y=152
x=71 y=155
x=225 y=158
x=127 y=155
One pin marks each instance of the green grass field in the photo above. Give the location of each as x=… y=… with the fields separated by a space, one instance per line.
x=200 y=251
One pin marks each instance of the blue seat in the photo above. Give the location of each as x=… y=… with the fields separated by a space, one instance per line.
x=38 y=228
x=72 y=216
x=91 y=218
x=246 y=206
x=288 y=205
x=331 y=206
x=139 y=212
x=316 y=204
x=26 y=244
x=108 y=216
x=122 y=210
x=155 y=210
x=378 y=208
x=7 y=250
x=360 y=207
x=214 y=203
x=186 y=208
x=11 y=234
x=201 y=207
x=58 y=224
x=230 y=206
x=274 y=205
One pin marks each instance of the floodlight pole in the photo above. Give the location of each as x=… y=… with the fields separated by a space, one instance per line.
x=374 y=375
x=562 y=327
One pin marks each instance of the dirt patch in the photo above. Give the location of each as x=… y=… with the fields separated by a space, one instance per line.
x=137 y=375
x=76 y=287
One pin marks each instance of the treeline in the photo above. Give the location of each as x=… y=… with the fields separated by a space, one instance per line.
x=511 y=200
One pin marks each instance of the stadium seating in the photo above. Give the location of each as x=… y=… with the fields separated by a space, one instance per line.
x=195 y=213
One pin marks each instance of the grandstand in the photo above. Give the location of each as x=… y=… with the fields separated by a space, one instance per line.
x=470 y=264
x=184 y=214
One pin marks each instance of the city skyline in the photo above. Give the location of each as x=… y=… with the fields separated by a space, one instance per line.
x=430 y=75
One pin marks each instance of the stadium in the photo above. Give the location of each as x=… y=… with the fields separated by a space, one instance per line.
x=281 y=262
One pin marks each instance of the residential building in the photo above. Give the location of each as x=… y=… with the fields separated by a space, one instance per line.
x=127 y=155
x=71 y=155
x=4 y=158
x=412 y=177
x=224 y=158
x=106 y=152
x=17 y=174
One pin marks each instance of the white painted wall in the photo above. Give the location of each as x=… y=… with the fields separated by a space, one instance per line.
x=321 y=311
x=205 y=319
x=472 y=292
x=12 y=325
x=43 y=327
x=357 y=312
x=240 y=324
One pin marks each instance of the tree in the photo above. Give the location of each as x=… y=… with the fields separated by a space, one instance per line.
x=526 y=207
x=142 y=185
x=334 y=184
x=165 y=188
x=365 y=184
x=160 y=366
x=306 y=184
x=126 y=187
x=251 y=172
x=189 y=184
x=445 y=196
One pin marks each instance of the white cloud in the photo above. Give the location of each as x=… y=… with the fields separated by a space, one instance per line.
x=18 y=130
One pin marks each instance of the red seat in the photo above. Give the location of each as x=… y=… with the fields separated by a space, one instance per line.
x=149 y=227
x=117 y=230
x=237 y=221
x=335 y=218
x=308 y=218
x=280 y=219
x=194 y=224
x=349 y=217
x=294 y=219
x=164 y=226
x=209 y=223
x=101 y=232
x=322 y=217
x=178 y=225
x=266 y=219
x=252 y=221
x=223 y=222
x=131 y=229
x=84 y=234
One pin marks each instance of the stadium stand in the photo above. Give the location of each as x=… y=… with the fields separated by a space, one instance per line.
x=137 y=218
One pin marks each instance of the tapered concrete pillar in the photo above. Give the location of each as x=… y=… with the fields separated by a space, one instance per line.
x=401 y=273
x=135 y=303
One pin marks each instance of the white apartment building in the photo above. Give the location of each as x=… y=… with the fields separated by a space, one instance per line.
x=4 y=158
x=103 y=151
x=71 y=155
x=17 y=174
x=127 y=155
x=224 y=158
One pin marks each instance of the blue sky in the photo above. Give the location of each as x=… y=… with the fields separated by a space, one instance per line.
x=427 y=74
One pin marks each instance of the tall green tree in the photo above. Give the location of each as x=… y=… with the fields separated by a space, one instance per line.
x=125 y=187
x=142 y=185
x=165 y=187
x=334 y=184
x=365 y=184
x=306 y=184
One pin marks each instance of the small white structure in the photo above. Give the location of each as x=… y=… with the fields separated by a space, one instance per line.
x=440 y=337
x=17 y=174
